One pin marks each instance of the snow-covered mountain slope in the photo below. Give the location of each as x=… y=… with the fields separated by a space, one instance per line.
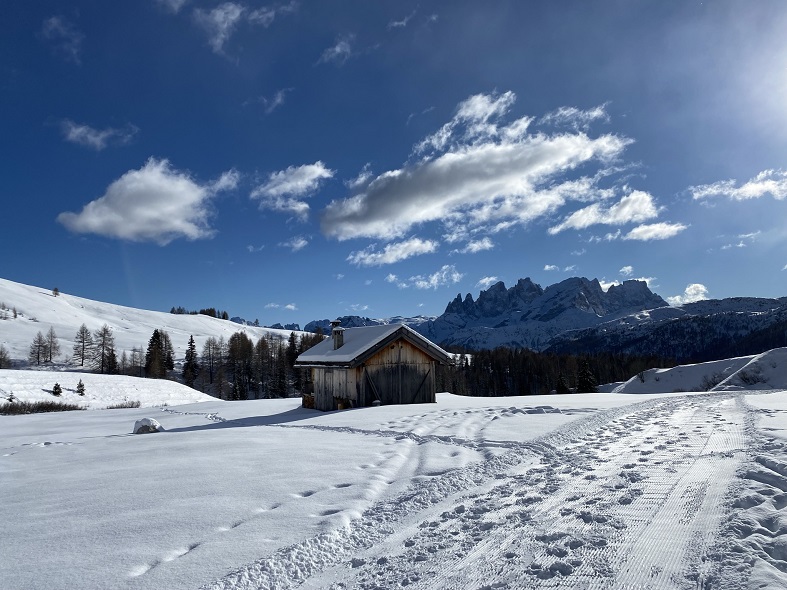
x=355 y=321
x=766 y=371
x=26 y=310
x=528 y=316
x=100 y=390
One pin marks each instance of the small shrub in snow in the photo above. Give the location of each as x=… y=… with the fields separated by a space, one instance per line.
x=57 y=390
x=126 y=404
x=18 y=407
x=711 y=381
x=752 y=377
x=81 y=388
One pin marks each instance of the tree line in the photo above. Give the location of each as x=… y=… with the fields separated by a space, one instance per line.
x=508 y=371
x=208 y=311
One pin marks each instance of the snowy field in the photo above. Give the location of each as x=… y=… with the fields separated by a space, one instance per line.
x=647 y=490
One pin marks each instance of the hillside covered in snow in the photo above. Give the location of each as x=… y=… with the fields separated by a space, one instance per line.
x=27 y=310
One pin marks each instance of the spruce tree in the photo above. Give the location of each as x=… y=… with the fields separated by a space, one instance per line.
x=586 y=381
x=155 y=367
x=5 y=358
x=190 y=365
x=81 y=388
x=57 y=390
x=562 y=386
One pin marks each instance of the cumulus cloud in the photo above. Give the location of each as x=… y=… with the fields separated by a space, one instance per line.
x=767 y=182
x=637 y=206
x=339 y=52
x=627 y=271
x=476 y=170
x=486 y=282
x=392 y=253
x=605 y=285
x=64 y=37
x=97 y=139
x=551 y=267
x=655 y=231
x=155 y=203
x=295 y=243
x=575 y=118
x=475 y=246
x=284 y=190
x=363 y=178
x=693 y=292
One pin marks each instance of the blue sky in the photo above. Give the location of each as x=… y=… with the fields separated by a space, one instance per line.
x=301 y=160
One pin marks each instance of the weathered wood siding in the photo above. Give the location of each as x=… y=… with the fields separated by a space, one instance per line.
x=332 y=383
x=401 y=374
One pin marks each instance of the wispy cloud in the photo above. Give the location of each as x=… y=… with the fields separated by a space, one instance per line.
x=486 y=282
x=447 y=275
x=362 y=179
x=475 y=171
x=575 y=118
x=295 y=243
x=97 y=139
x=285 y=190
x=287 y=306
x=221 y=23
x=635 y=207
x=358 y=307
x=64 y=37
x=339 y=52
x=475 y=246
x=400 y=24
x=173 y=6
x=768 y=182
x=153 y=204
x=693 y=292
x=253 y=249
x=551 y=267
x=392 y=253
x=270 y=104
x=627 y=271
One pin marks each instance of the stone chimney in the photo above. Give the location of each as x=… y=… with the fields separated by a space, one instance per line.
x=337 y=333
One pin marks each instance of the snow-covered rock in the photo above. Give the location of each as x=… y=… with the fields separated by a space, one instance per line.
x=146 y=426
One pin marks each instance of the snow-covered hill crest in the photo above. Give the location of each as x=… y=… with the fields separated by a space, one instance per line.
x=26 y=310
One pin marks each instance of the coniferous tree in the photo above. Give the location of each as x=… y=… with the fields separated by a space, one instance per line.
x=104 y=359
x=80 y=388
x=57 y=390
x=83 y=345
x=38 y=352
x=5 y=358
x=562 y=386
x=155 y=364
x=586 y=381
x=168 y=351
x=211 y=357
x=190 y=365
x=52 y=345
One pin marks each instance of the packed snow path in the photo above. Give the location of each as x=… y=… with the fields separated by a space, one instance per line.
x=630 y=497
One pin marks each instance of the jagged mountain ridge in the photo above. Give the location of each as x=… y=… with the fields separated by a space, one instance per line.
x=578 y=316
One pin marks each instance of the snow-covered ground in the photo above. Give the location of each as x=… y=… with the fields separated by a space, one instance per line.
x=670 y=490
x=38 y=310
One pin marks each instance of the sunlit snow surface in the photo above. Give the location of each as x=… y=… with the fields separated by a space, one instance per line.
x=578 y=491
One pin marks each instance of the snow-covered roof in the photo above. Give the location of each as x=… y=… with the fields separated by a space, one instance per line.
x=361 y=343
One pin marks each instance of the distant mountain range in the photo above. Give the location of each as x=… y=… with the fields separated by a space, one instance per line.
x=577 y=315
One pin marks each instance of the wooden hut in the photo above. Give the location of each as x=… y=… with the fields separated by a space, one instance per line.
x=356 y=367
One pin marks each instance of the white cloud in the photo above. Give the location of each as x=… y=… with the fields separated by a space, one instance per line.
x=581 y=252
x=475 y=171
x=173 y=6
x=285 y=189
x=288 y=306
x=571 y=268
x=253 y=249
x=339 y=276
x=627 y=271
x=65 y=38
x=693 y=292
x=368 y=282
x=605 y=285
x=270 y=104
x=551 y=267
x=784 y=267
x=767 y=182
x=575 y=118
x=392 y=253
x=486 y=282
x=395 y=280
x=155 y=203
x=267 y=14
x=295 y=244
x=291 y=307
x=655 y=231
x=447 y=275
x=220 y=23
x=740 y=244
x=338 y=53
x=272 y=306
x=475 y=246
x=400 y=24
x=356 y=307
x=98 y=139
x=363 y=178
x=637 y=206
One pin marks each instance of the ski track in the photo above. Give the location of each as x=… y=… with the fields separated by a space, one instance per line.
x=582 y=507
